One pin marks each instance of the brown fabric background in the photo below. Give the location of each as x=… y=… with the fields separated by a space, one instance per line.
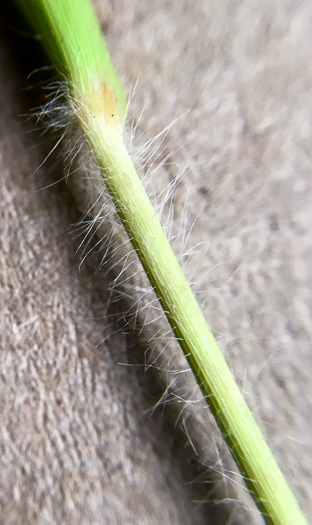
x=79 y=439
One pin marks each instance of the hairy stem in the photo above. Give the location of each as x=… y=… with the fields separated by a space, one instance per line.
x=70 y=33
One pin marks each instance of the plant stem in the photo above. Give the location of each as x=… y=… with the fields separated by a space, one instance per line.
x=70 y=33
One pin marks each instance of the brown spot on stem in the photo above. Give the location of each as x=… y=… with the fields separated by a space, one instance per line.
x=109 y=101
x=103 y=101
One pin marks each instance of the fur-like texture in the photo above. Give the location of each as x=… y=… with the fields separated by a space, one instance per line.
x=82 y=436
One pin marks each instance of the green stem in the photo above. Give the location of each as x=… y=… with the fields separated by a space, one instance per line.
x=69 y=31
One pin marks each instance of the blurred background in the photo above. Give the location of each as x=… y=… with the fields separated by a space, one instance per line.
x=83 y=437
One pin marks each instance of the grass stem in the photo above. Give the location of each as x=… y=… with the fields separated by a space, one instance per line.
x=69 y=31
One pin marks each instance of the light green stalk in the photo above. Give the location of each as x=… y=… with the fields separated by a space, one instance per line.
x=70 y=33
